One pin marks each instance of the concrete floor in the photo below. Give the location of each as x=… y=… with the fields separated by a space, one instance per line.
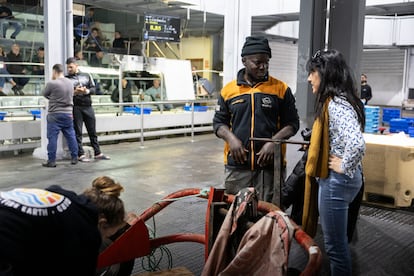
x=384 y=244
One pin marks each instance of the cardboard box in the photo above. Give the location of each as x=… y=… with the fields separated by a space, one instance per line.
x=388 y=167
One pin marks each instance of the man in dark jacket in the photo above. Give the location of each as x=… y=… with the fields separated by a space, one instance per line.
x=366 y=91
x=254 y=105
x=16 y=68
x=83 y=112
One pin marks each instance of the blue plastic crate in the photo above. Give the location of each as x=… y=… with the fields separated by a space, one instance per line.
x=410 y=121
x=372 y=121
x=399 y=122
x=370 y=111
x=197 y=108
x=137 y=110
x=35 y=113
x=369 y=108
x=399 y=125
x=370 y=130
x=390 y=113
x=2 y=115
x=397 y=130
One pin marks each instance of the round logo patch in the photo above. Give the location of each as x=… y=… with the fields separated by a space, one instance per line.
x=36 y=202
x=33 y=197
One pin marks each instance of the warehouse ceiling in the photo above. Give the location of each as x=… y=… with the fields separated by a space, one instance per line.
x=198 y=23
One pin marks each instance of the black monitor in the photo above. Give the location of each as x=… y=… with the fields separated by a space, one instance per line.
x=161 y=28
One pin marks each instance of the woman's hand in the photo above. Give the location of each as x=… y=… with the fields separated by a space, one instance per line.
x=335 y=163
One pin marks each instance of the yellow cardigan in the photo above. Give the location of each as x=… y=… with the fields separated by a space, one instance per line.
x=316 y=166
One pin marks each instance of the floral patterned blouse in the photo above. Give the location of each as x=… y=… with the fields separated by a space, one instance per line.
x=345 y=135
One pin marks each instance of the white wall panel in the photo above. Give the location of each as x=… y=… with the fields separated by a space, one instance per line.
x=385 y=71
x=284 y=61
x=405 y=34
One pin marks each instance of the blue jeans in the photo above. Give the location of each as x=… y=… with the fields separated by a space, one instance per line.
x=5 y=23
x=60 y=122
x=336 y=192
x=3 y=71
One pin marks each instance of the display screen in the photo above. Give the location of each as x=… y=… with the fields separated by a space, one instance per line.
x=162 y=28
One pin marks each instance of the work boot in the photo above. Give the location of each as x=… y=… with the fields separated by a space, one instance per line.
x=49 y=164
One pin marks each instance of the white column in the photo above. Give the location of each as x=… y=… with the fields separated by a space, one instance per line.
x=58 y=34
x=237 y=26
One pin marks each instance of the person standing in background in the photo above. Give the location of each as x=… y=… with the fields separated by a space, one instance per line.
x=335 y=153
x=254 y=105
x=366 y=92
x=59 y=92
x=83 y=112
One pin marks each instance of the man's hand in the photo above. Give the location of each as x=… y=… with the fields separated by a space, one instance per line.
x=334 y=163
x=266 y=154
x=237 y=151
x=80 y=90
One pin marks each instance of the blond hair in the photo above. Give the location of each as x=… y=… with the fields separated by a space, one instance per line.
x=105 y=194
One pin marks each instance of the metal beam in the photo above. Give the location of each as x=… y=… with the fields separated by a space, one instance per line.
x=311 y=38
x=346 y=31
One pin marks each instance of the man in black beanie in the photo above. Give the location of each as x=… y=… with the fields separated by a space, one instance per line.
x=254 y=105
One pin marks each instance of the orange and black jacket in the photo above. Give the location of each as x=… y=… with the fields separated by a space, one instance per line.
x=259 y=111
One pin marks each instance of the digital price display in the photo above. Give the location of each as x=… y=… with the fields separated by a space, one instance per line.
x=162 y=28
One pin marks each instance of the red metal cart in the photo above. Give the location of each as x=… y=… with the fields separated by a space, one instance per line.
x=125 y=247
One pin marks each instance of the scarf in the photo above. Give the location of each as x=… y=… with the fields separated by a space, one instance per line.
x=316 y=166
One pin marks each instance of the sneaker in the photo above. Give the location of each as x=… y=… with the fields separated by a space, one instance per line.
x=102 y=156
x=49 y=164
x=74 y=161
x=83 y=158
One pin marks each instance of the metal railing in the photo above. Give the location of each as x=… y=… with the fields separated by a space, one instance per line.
x=20 y=133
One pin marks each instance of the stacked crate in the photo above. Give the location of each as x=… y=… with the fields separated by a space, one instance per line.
x=371 y=119
x=399 y=125
x=390 y=113
x=411 y=131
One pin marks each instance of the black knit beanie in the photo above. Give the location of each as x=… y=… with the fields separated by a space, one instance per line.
x=256 y=45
